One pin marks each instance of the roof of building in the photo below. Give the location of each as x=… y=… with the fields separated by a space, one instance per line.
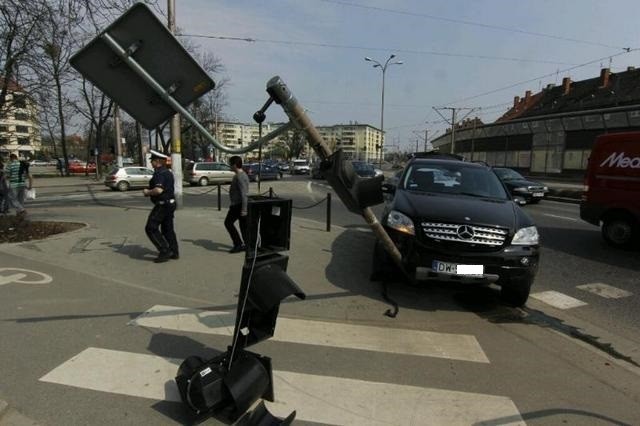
x=606 y=91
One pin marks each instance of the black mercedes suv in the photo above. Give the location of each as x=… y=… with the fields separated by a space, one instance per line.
x=455 y=220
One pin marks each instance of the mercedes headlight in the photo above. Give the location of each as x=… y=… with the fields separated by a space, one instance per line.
x=526 y=236
x=400 y=222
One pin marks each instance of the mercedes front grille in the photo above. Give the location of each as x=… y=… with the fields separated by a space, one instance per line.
x=462 y=233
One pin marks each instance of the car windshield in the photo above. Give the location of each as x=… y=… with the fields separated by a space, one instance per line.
x=456 y=178
x=508 y=174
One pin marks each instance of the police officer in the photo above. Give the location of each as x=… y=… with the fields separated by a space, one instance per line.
x=159 y=226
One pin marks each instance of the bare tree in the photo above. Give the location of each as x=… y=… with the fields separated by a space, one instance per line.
x=295 y=143
x=18 y=34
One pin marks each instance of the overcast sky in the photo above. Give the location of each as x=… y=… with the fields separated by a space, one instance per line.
x=452 y=51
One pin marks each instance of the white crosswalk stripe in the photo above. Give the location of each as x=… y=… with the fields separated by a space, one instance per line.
x=380 y=339
x=316 y=398
x=558 y=300
x=605 y=290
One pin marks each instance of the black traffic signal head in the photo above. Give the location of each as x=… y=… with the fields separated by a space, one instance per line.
x=355 y=192
x=264 y=285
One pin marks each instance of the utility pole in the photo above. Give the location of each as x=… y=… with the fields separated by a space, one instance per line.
x=176 y=143
x=118 y=125
x=453 y=122
x=426 y=144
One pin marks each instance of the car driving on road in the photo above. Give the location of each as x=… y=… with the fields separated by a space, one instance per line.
x=453 y=220
x=519 y=186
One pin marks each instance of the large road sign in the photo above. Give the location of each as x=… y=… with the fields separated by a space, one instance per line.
x=150 y=44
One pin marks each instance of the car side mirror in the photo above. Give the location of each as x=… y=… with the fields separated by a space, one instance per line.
x=519 y=200
x=388 y=188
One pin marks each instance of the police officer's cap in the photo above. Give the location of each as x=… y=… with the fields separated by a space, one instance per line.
x=155 y=155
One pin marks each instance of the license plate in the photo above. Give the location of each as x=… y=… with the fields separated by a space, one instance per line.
x=538 y=194
x=455 y=269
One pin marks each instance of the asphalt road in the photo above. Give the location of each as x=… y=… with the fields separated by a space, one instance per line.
x=573 y=253
x=552 y=363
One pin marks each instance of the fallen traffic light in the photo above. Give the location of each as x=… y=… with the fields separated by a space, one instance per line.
x=356 y=192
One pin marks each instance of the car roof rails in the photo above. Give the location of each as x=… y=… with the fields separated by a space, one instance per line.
x=437 y=155
x=484 y=163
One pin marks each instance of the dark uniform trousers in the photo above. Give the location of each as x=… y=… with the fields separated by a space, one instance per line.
x=159 y=228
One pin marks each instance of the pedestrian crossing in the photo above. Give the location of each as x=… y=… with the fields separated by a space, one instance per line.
x=379 y=339
x=323 y=399
x=563 y=301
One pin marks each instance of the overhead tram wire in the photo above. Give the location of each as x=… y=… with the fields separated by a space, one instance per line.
x=377 y=49
x=472 y=23
x=520 y=83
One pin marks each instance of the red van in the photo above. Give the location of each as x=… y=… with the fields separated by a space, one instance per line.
x=612 y=188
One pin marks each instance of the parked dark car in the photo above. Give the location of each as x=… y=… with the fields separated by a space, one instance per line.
x=453 y=220
x=266 y=172
x=519 y=186
x=283 y=166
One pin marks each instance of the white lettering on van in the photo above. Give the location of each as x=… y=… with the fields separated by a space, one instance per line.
x=619 y=160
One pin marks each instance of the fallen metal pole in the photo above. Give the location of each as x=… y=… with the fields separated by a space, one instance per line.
x=279 y=91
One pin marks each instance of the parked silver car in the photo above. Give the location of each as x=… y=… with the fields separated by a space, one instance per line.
x=124 y=178
x=205 y=173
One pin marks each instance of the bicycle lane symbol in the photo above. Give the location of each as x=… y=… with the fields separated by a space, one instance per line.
x=23 y=276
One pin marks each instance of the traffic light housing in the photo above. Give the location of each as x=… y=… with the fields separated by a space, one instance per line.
x=356 y=192
x=264 y=285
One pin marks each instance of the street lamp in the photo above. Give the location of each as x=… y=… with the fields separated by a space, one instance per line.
x=384 y=70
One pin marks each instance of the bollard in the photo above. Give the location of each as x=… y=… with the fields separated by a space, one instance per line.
x=219 y=198
x=270 y=192
x=328 y=212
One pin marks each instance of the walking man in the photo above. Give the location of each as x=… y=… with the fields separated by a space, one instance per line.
x=239 y=197
x=17 y=172
x=159 y=227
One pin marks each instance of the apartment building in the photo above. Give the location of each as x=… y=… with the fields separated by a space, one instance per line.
x=358 y=141
x=19 y=127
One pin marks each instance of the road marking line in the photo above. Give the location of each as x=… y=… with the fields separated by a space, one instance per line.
x=561 y=217
x=17 y=275
x=605 y=290
x=558 y=300
x=381 y=339
x=320 y=399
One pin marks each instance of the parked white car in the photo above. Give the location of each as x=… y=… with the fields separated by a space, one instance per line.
x=125 y=178
x=300 y=167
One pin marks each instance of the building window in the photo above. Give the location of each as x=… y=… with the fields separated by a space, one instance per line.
x=4 y=129
x=22 y=129
x=21 y=116
x=23 y=141
x=19 y=101
x=4 y=141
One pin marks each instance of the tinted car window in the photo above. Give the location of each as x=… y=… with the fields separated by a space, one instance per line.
x=454 y=179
